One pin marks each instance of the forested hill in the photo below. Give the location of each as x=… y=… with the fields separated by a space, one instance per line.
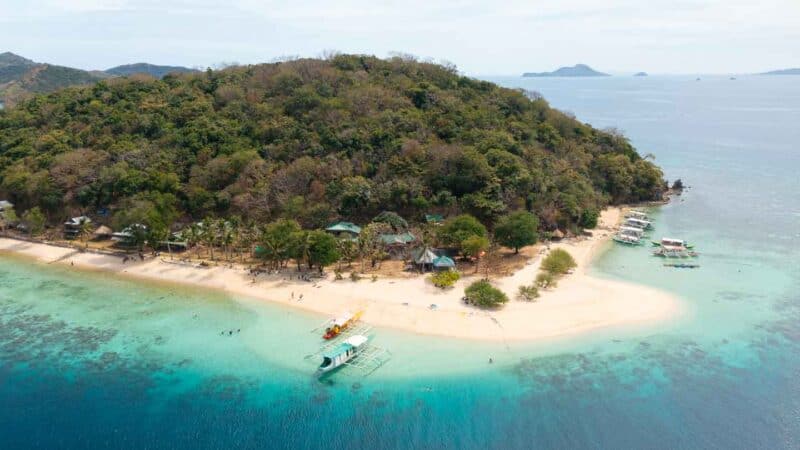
x=314 y=140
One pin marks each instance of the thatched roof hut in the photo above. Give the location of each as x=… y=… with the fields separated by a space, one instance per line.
x=102 y=232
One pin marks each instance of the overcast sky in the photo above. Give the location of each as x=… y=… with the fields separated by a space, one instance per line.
x=480 y=37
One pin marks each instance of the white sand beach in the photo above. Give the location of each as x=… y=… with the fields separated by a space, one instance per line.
x=579 y=303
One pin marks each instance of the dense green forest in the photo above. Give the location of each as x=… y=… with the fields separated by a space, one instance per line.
x=314 y=140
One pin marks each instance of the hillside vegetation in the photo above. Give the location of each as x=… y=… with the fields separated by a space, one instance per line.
x=313 y=140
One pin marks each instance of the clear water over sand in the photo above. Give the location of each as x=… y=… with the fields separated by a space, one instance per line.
x=86 y=360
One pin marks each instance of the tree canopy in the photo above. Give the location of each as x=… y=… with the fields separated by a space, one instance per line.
x=313 y=140
x=516 y=230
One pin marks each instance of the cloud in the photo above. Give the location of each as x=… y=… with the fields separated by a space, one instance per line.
x=480 y=36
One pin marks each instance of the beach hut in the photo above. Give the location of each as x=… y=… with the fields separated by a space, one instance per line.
x=443 y=263
x=400 y=239
x=102 y=233
x=397 y=244
x=129 y=235
x=346 y=230
x=72 y=227
x=424 y=258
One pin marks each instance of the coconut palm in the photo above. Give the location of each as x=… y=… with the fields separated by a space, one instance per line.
x=85 y=231
x=209 y=235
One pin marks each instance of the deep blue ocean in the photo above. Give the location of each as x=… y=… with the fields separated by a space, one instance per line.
x=91 y=361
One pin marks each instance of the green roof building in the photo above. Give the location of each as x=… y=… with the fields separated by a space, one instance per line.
x=344 y=229
x=398 y=239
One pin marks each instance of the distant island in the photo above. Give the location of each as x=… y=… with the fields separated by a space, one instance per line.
x=640 y=74
x=149 y=69
x=578 y=70
x=795 y=71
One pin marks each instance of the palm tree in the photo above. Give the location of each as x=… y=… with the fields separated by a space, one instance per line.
x=227 y=237
x=193 y=235
x=209 y=235
x=85 y=231
x=245 y=237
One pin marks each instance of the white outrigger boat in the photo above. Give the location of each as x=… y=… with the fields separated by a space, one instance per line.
x=634 y=214
x=629 y=236
x=671 y=242
x=627 y=239
x=638 y=223
x=633 y=231
x=342 y=353
x=675 y=252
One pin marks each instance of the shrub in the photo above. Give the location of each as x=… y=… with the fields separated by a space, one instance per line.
x=482 y=293
x=445 y=279
x=546 y=280
x=558 y=262
x=528 y=293
x=589 y=218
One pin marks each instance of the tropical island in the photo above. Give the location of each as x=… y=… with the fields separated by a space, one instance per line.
x=578 y=70
x=393 y=186
x=640 y=74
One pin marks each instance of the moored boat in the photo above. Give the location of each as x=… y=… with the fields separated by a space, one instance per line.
x=674 y=252
x=626 y=239
x=342 y=353
x=672 y=242
x=340 y=323
x=632 y=231
x=635 y=214
x=638 y=223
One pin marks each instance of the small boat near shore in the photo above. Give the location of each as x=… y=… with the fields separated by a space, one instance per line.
x=636 y=214
x=626 y=239
x=638 y=223
x=342 y=353
x=338 y=324
x=672 y=242
x=675 y=252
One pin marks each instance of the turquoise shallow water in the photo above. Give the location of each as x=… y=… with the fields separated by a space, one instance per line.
x=91 y=361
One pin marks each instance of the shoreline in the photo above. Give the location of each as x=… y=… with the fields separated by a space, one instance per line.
x=579 y=304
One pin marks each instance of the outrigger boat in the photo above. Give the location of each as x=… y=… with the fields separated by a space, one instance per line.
x=634 y=214
x=638 y=223
x=633 y=231
x=342 y=353
x=341 y=323
x=627 y=239
x=670 y=242
x=675 y=252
